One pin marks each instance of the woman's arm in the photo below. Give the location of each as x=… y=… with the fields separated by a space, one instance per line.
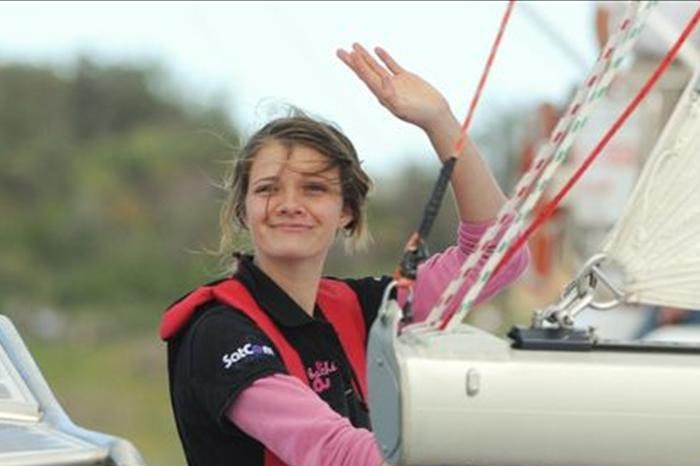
x=301 y=429
x=412 y=99
x=477 y=194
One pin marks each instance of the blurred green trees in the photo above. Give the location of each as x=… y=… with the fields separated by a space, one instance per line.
x=103 y=186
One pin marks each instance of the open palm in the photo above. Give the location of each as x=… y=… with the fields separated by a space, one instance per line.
x=405 y=94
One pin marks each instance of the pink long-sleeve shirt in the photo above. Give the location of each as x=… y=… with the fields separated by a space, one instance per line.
x=299 y=427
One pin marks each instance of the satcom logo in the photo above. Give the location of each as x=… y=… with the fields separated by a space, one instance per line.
x=244 y=351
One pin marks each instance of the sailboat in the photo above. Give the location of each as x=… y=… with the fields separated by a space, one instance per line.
x=554 y=393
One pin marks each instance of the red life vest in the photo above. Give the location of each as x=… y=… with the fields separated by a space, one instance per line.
x=337 y=300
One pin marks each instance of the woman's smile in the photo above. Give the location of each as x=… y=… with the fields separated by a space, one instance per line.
x=292 y=227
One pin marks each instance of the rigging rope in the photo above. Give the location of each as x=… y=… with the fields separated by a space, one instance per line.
x=415 y=250
x=459 y=144
x=480 y=265
x=644 y=91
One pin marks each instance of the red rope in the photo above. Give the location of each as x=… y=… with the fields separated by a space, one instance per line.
x=552 y=205
x=415 y=239
x=459 y=144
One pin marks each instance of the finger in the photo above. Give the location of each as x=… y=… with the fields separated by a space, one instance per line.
x=358 y=67
x=388 y=61
x=367 y=75
x=345 y=58
x=371 y=62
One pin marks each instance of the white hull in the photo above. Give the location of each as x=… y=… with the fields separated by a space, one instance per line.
x=468 y=398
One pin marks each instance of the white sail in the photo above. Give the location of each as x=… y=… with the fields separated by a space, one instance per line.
x=657 y=240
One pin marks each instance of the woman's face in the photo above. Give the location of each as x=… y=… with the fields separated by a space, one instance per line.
x=292 y=208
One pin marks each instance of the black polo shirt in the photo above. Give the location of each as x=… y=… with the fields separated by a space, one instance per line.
x=220 y=352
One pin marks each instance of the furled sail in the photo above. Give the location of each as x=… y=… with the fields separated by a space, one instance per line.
x=656 y=242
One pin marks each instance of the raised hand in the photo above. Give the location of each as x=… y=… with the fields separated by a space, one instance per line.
x=405 y=94
x=414 y=100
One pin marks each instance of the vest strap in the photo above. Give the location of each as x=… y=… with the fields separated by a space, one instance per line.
x=341 y=307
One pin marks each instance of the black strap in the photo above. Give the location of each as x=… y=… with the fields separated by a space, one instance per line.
x=416 y=250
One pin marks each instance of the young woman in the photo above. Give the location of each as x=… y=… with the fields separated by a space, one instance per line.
x=267 y=366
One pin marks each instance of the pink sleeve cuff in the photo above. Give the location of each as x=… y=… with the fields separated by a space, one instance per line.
x=469 y=234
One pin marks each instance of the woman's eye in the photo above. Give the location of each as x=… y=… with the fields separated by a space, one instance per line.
x=316 y=188
x=265 y=189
